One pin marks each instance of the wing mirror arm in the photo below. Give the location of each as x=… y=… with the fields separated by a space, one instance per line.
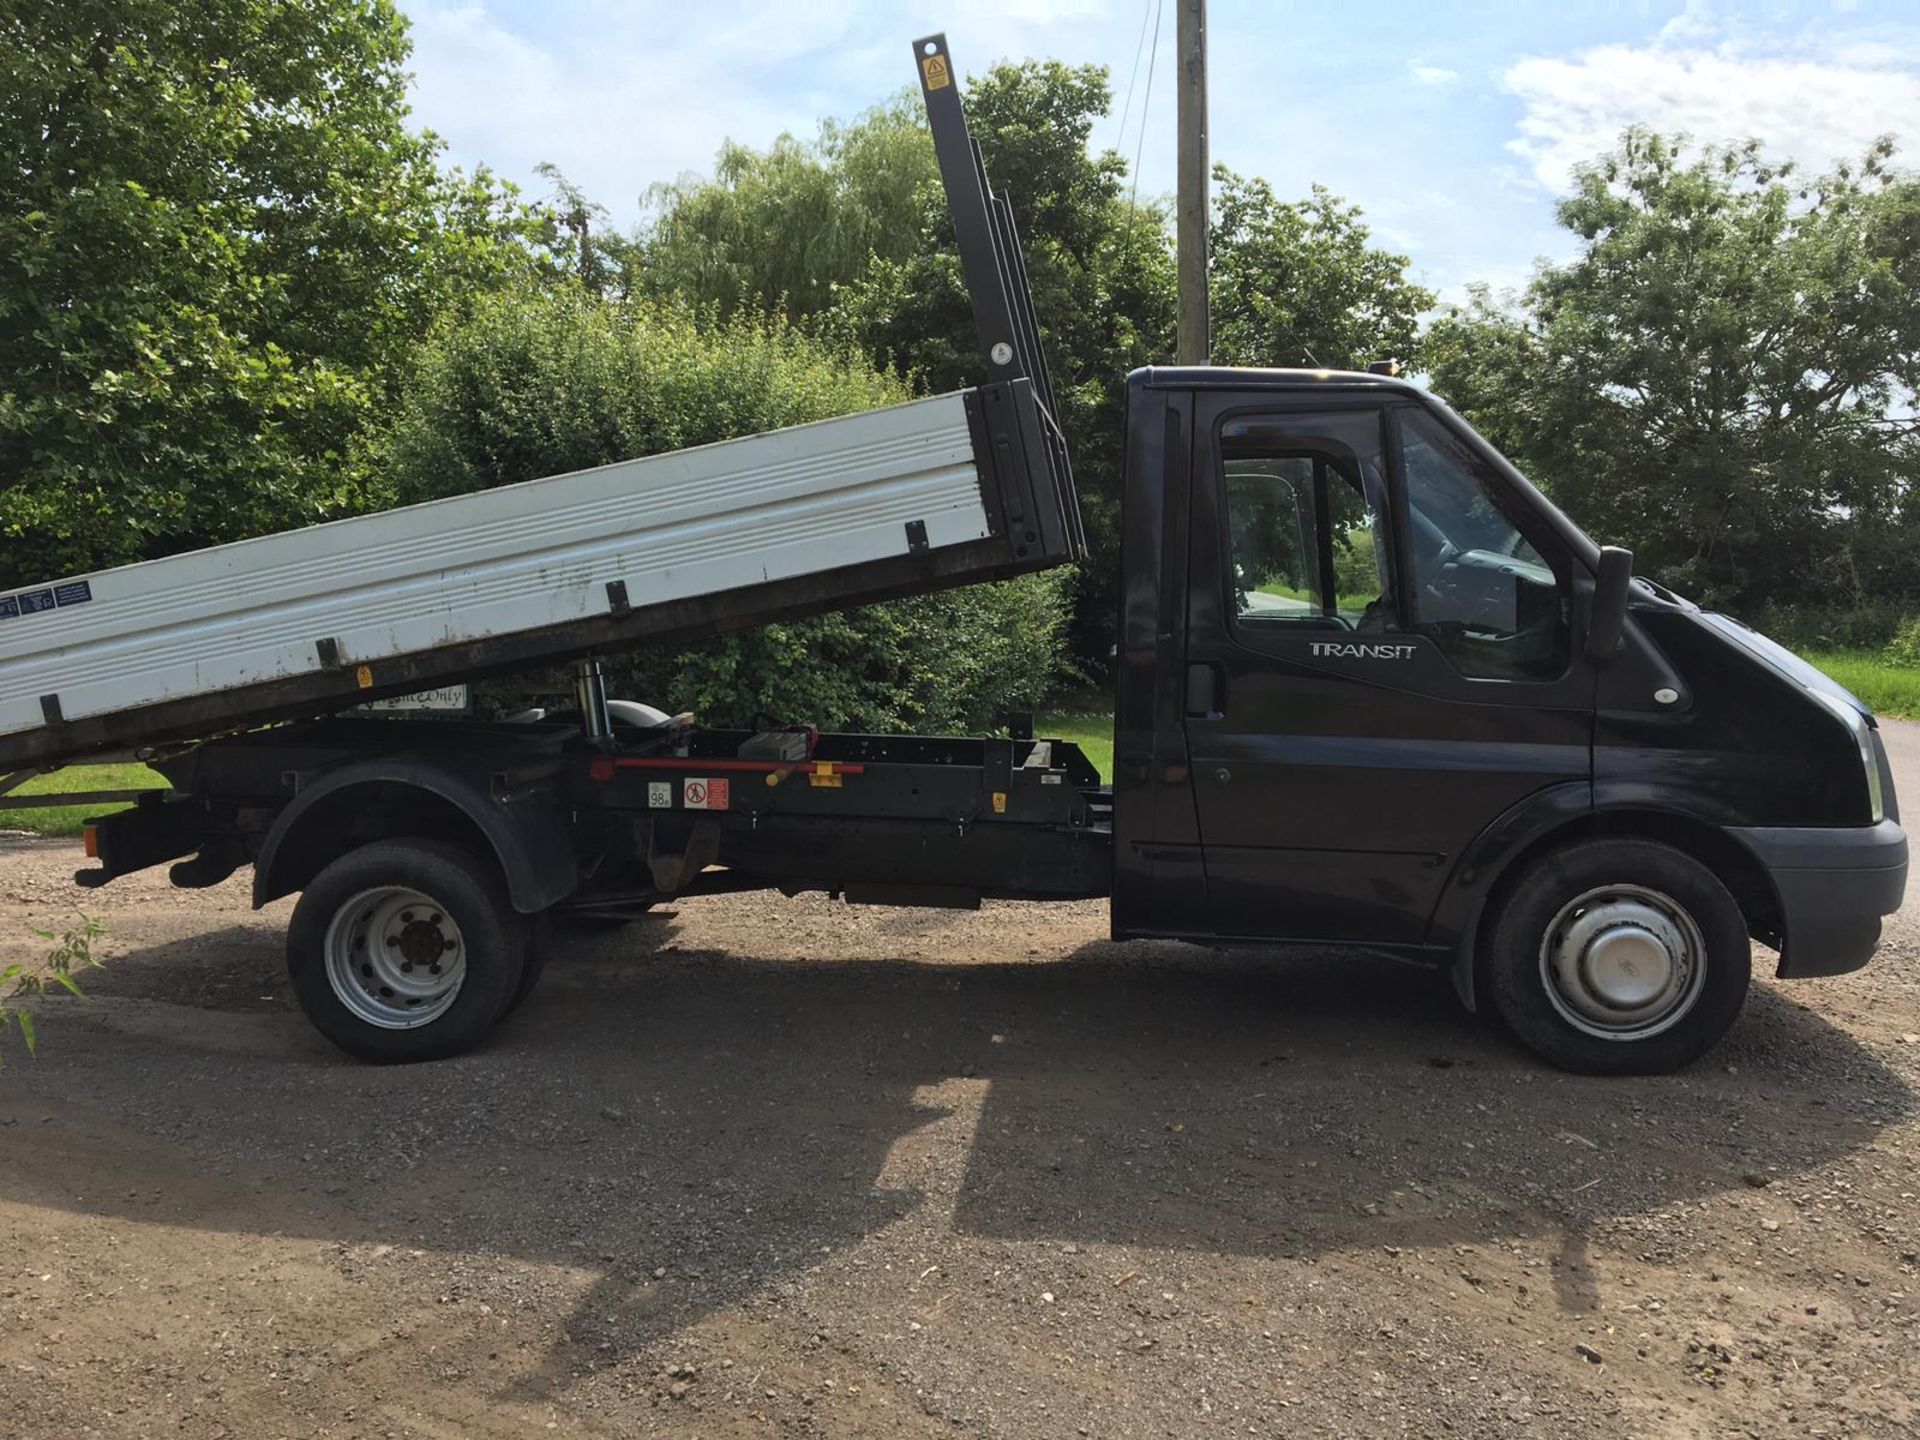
x=1607 y=618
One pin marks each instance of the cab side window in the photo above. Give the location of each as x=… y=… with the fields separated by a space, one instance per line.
x=1491 y=602
x=1307 y=540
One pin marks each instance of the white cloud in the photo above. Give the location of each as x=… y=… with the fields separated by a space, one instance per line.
x=1433 y=74
x=1824 y=101
x=614 y=108
x=621 y=94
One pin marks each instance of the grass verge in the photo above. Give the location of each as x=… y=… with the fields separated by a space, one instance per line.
x=1091 y=730
x=1886 y=689
x=67 y=819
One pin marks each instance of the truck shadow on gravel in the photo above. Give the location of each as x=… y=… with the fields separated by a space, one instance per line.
x=699 y=1129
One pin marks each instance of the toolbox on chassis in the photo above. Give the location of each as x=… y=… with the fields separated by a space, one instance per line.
x=1372 y=689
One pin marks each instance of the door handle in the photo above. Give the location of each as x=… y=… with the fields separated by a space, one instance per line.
x=1206 y=690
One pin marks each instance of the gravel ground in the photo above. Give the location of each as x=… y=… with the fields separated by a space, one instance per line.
x=764 y=1167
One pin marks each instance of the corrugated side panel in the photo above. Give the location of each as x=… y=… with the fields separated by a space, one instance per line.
x=769 y=507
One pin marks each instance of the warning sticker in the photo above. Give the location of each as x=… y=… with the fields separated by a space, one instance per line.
x=938 y=75
x=38 y=602
x=659 y=794
x=704 y=794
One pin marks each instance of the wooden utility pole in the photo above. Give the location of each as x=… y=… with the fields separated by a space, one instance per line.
x=1193 y=340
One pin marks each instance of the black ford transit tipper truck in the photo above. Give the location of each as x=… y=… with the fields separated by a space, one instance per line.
x=1373 y=689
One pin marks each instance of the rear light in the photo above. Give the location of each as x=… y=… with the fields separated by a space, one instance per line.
x=91 y=837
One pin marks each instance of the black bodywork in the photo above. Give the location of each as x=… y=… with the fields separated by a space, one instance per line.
x=1344 y=780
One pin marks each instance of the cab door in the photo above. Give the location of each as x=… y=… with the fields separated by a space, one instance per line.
x=1380 y=660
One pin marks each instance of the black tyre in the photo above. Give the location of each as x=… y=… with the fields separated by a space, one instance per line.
x=1618 y=957
x=406 y=950
x=539 y=939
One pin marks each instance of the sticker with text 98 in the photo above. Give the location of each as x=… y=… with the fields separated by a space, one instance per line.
x=704 y=794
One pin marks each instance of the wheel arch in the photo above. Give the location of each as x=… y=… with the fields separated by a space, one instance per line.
x=396 y=796
x=1512 y=843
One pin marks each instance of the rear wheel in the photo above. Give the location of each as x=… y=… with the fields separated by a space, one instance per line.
x=403 y=950
x=1619 y=957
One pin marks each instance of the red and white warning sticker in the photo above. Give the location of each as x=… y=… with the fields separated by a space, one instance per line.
x=704 y=794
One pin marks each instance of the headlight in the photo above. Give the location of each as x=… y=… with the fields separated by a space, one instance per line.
x=1862 y=733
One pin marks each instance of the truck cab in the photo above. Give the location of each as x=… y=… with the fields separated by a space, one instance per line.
x=1375 y=689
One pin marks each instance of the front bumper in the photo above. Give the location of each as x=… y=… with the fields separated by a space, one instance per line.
x=1834 y=885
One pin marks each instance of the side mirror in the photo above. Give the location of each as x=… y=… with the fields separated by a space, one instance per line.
x=1608 y=618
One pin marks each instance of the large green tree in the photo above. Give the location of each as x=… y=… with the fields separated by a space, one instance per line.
x=1301 y=284
x=218 y=239
x=783 y=228
x=1723 y=378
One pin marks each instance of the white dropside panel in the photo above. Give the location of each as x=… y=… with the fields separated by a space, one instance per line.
x=691 y=522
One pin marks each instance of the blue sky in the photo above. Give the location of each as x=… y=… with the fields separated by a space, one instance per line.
x=1453 y=122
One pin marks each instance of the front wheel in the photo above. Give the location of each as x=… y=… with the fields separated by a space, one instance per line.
x=402 y=950
x=1619 y=957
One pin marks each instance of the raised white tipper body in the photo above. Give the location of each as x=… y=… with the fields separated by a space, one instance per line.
x=788 y=503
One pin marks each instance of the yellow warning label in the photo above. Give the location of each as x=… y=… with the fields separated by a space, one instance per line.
x=938 y=75
x=363 y=676
x=999 y=802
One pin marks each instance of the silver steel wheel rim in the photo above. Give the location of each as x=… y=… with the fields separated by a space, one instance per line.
x=1622 y=962
x=395 y=957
